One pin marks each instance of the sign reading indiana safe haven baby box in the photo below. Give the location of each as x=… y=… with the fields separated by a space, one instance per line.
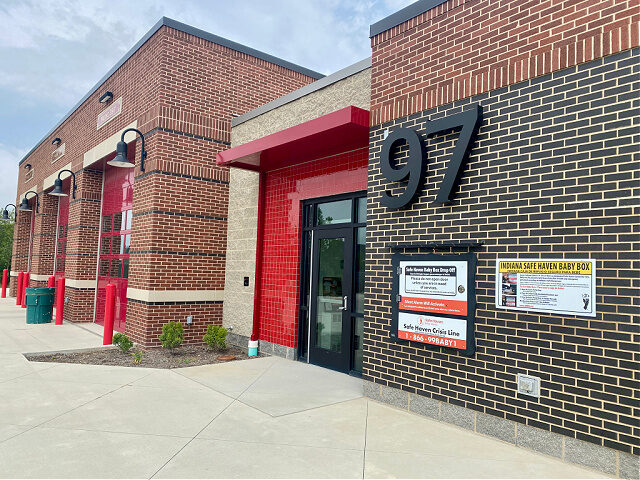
x=555 y=286
x=435 y=300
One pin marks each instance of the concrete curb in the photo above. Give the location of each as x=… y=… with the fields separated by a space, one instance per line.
x=73 y=350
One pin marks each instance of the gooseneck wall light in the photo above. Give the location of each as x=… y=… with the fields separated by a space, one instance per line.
x=5 y=213
x=120 y=160
x=57 y=186
x=24 y=205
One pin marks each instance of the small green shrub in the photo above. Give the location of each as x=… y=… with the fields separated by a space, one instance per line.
x=137 y=357
x=123 y=342
x=216 y=337
x=172 y=335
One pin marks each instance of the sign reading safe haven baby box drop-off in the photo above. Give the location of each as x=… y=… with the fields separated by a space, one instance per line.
x=435 y=300
x=559 y=286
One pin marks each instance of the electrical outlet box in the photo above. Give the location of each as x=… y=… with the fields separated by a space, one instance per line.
x=246 y=281
x=529 y=385
x=189 y=319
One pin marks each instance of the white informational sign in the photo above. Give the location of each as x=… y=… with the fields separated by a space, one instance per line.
x=109 y=113
x=58 y=152
x=553 y=286
x=446 y=332
x=434 y=287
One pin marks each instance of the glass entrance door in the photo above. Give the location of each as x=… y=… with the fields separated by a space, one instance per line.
x=331 y=298
x=332 y=282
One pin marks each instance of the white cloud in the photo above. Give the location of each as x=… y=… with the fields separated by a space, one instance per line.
x=9 y=158
x=54 y=51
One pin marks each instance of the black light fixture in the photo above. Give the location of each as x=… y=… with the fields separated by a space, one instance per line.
x=24 y=205
x=106 y=97
x=56 y=141
x=57 y=186
x=5 y=213
x=120 y=160
x=27 y=166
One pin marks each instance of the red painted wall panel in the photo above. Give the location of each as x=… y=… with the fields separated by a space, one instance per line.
x=285 y=190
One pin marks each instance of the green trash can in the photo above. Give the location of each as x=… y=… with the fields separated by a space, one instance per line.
x=39 y=303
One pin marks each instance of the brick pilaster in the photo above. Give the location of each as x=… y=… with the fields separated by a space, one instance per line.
x=178 y=235
x=82 y=246
x=44 y=238
x=20 y=253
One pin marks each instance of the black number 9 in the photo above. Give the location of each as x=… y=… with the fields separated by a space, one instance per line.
x=413 y=170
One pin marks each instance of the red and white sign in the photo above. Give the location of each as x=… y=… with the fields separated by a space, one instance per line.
x=434 y=287
x=109 y=113
x=446 y=332
x=58 y=152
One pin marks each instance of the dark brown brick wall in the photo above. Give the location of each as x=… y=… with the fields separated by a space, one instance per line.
x=554 y=173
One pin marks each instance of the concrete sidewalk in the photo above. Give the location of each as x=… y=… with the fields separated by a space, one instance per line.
x=268 y=417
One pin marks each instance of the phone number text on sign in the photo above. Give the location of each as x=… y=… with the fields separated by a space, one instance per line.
x=446 y=332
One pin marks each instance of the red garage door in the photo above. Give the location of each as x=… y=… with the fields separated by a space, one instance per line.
x=115 y=238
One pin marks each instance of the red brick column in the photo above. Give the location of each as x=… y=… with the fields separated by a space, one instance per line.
x=20 y=252
x=82 y=246
x=178 y=238
x=44 y=240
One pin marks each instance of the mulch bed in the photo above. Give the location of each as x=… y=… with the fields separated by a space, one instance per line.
x=185 y=356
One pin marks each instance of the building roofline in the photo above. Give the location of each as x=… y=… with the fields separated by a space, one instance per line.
x=165 y=21
x=401 y=16
x=239 y=47
x=301 y=92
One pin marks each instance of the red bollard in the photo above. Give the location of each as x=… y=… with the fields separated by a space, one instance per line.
x=60 y=301
x=19 y=289
x=4 y=283
x=25 y=285
x=109 y=312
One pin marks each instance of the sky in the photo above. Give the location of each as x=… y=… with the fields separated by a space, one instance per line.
x=54 y=51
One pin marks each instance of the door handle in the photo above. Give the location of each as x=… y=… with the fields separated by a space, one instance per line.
x=344 y=303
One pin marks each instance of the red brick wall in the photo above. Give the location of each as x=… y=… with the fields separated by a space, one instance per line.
x=180 y=202
x=467 y=47
x=137 y=82
x=183 y=91
x=214 y=83
x=144 y=321
x=44 y=237
x=20 y=256
x=286 y=188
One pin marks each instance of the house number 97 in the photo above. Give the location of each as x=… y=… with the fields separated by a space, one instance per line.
x=413 y=171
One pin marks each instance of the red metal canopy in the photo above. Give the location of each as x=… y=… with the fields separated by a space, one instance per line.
x=340 y=131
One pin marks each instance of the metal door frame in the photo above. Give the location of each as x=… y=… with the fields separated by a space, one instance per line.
x=307 y=267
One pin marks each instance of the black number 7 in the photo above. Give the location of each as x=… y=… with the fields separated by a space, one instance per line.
x=415 y=168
